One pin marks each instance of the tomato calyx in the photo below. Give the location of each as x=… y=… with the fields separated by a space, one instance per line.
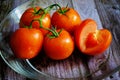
x=43 y=12
x=49 y=8
x=40 y=11
x=54 y=32
x=62 y=10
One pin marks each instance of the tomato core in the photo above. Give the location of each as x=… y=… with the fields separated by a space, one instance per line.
x=91 y=40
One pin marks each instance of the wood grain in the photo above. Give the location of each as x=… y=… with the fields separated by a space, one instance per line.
x=5 y=72
x=107 y=14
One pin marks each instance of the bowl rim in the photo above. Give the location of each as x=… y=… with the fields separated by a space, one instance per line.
x=112 y=72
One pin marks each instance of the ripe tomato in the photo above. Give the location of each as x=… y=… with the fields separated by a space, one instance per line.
x=60 y=47
x=91 y=41
x=33 y=14
x=26 y=43
x=66 y=18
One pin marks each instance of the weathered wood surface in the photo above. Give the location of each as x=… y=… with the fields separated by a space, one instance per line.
x=107 y=15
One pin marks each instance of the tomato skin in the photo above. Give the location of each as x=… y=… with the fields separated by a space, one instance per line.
x=60 y=47
x=30 y=15
x=26 y=43
x=91 y=41
x=83 y=31
x=69 y=20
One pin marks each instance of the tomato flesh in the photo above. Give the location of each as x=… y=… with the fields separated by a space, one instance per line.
x=91 y=41
x=103 y=40
x=82 y=32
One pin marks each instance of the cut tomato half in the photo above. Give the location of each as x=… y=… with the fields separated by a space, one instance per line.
x=91 y=41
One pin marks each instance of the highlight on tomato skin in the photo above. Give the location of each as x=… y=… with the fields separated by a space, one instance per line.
x=59 y=48
x=91 y=41
x=68 y=19
x=26 y=43
x=31 y=17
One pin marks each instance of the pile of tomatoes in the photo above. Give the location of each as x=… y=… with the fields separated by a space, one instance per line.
x=57 y=34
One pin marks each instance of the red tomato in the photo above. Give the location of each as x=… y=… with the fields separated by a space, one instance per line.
x=32 y=14
x=60 y=47
x=26 y=43
x=69 y=19
x=91 y=41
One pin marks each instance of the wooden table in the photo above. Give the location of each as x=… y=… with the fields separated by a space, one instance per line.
x=105 y=12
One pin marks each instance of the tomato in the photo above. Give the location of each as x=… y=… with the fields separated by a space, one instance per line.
x=32 y=17
x=26 y=43
x=60 y=47
x=66 y=18
x=91 y=41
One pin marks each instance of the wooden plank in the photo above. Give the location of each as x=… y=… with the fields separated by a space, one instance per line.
x=7 y=73
x=107 y=16
x=87 y=9
x=77 y=65
x=7 y=5
x=110 y=19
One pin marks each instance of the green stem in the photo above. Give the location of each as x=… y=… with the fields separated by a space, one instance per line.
x=46 y=10
x=39 y=11
x=32 y=22
x=53 y=31
x=43 y=13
